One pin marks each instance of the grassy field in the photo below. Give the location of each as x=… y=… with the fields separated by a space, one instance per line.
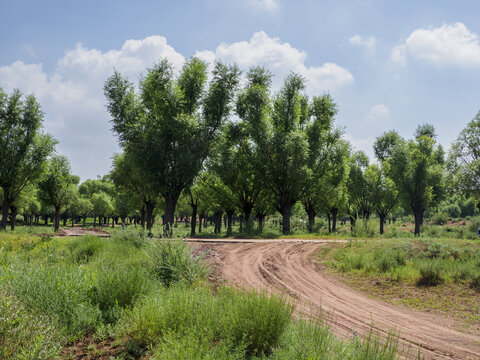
x=131 y=297
x=438 y=275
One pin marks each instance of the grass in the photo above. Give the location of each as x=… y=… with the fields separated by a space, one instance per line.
x=152 y=298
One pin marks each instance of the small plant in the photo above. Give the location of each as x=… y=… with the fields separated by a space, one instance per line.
x=84 y=247
x=136 y=237
x=172 y=261
x=430 y=274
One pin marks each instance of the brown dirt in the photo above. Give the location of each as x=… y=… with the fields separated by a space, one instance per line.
x=77 y=231
x=289 y=267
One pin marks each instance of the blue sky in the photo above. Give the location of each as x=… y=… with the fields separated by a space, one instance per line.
x=388 y=64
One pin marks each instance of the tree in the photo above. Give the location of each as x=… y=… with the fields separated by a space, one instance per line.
x=419 y=177
x=102 y=206
x=279 y=136
x=57 y=186
x=23 y=148
x=361 y=191
x=464 y=160
x=169 y=127
x=385 y=192
x=385 y=143
x=231 y=161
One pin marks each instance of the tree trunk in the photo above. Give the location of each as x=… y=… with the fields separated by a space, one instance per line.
x=94 y=220
x=382 y=222
x=418 y=215
x=229 y=222
x=286 y=213
x=113 y=222
x=200 y=220
x=329 y=222
x=247 y=211
x=65 y=221
x=334 y=212
x=193 y=223
x=84 y=220
x=149 y=207
x=56 y=222
x=170 y=205
x=311 y=219
x=13 y=217
x=73 y=220
x=353 y=220
x=5 y=207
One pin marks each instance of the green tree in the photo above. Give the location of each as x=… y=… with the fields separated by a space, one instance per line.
x=23 y=148
x=102 y=206
x=278 y=135
x=169 y=127
x=464 y=160
x=419 y=177
x=57 y=186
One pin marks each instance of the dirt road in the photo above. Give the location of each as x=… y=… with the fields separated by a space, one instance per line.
x=290 y=267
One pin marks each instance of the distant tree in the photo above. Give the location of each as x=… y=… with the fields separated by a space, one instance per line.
x=84 y=208
x=23 y=148
x=102 y=206
x=169 y=127
x=419 y=177
x=385 y=143
x=361 y=191
x=464 y=160
x=57 y=186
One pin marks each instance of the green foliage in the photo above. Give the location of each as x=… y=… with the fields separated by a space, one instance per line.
x=83 y=248
x=257 y=321
x=23 y=148
x=430 y=274
x=172 y=261
x=136 y=237
x=24 y=335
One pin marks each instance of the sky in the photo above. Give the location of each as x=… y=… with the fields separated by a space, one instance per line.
x=387 y=64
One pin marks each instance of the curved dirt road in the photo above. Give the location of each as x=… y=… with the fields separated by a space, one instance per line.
x=289 y=267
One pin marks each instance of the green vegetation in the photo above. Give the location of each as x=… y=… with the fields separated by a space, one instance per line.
x=151 y=297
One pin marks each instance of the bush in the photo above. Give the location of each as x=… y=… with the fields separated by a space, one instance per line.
x=257 y=321
x=172 y=261
x=430 y=274
x=476 y=283
x=85 y=247
x=117 y=287
x=440 y=218
x=386 y=262
x=136 y=237
x=365 y=228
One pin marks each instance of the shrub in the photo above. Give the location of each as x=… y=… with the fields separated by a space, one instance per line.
x=172 y=261
x=430 y=274
x=365 y=228
x=84 y=247
x=117 y=287
x=476 y=283
x=440 y=218
x=353 y=262
x=257 y=321
x=134 y=236
x=386 y=262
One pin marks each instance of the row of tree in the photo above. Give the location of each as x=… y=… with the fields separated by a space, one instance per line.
x=221 y=148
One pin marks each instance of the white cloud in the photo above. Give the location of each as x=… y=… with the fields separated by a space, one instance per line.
x=269 y=5
x=74 y=104
x=445 y=45
x=367 y=43
x=280 y=58
x=378 y=112
x=363 y=144
x=399 y=55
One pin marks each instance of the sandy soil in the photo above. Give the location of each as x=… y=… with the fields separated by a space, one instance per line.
x=289 y=267
x=77 y=231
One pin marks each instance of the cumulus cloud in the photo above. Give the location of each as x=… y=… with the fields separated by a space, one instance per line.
x=367 y=43
x=378 y=112
x=74 y=104
x=280 y=58
x=363 y=144
x=269 y=5
x=450 y=44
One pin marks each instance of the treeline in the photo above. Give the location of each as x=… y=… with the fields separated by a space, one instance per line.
x=225 y=146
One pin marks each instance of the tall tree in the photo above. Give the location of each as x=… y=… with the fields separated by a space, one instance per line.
x=278 y=133
x=417 y=173
x=57 y=186
x=464 y=160
x=23 y=148
x=169 y=127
